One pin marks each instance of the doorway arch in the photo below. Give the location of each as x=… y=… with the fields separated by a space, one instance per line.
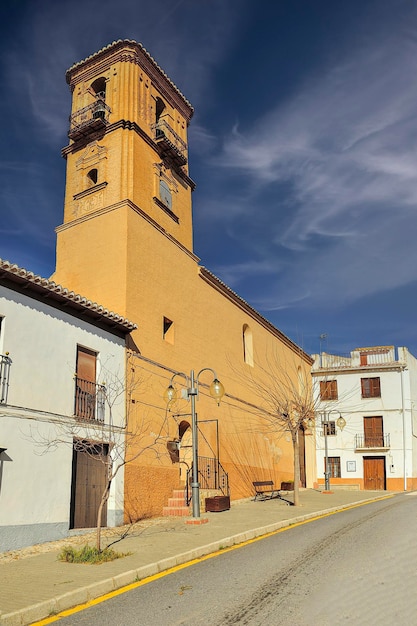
x=185 y=436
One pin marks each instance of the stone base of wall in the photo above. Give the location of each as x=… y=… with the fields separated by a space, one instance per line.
x=22 y=536
x=147 y=490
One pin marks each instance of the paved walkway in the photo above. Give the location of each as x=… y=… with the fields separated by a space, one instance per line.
x=34 y=584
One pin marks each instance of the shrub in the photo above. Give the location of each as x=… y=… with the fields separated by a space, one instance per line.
x=89 y=554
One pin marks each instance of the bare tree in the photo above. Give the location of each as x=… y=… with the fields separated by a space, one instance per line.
x=113 y=433
x=286 y=400
x=289 y=398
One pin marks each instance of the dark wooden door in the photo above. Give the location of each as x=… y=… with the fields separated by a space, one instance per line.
x=374 y=432
x=88 y=484
x=374 y=473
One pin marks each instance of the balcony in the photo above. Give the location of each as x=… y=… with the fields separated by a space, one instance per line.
x=5 y=363
x=380 y=443
x=170 y=145
x=91 y=118
x=371 y=358
x=89 y=400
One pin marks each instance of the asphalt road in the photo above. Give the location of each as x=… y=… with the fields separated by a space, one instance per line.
x=354 y=567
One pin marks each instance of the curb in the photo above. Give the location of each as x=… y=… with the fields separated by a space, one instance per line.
x=47 y=608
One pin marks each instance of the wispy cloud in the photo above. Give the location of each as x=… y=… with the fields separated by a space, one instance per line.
x=345 y=147
x=187 y=41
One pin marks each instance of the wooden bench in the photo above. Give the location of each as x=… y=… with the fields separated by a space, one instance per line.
x=264 y=490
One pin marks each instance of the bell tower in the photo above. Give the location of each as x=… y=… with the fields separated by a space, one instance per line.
x=127 y=182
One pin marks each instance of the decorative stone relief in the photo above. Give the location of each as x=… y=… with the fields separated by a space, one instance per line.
x=92 y=155
x=89 y=204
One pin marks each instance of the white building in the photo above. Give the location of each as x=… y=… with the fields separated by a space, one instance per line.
x=375 y=392
x=57 y=350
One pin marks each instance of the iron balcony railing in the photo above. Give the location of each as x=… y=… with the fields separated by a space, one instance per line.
x=378 y=441
x=170 y=145
x=211 y=475
x=93 y=117
x=89 y=400
x=5 y=363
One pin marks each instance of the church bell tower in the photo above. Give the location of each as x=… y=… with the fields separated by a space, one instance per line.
x=127 y=182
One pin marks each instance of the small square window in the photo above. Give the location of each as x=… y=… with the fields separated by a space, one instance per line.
x=329 y=428
x=328 y=390
x=334 y=466
x=371 y=387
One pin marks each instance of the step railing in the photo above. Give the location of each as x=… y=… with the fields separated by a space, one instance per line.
x=211 y=475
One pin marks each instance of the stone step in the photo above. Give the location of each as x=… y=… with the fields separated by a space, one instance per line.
x=176 y=511
x=177 y=501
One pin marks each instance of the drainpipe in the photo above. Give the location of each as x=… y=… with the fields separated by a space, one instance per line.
x=403 y=420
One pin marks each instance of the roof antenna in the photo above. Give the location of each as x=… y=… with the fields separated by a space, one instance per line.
x=322 y=338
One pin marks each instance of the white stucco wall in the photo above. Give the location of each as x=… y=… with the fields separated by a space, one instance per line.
x=42 y=343
x=398 y=397
x=410 y=401
x=35 y=483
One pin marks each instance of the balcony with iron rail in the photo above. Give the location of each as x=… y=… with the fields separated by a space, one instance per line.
x=5 y=365
x=170 y=145
x=379 y=443
x=90 y=400
x=91 y=118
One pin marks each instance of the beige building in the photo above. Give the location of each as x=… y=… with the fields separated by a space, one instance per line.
x=127 y=241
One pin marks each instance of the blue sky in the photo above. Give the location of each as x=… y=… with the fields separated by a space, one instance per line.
x=303 y=147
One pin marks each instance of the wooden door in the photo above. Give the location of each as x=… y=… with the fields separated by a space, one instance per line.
x=374 y=473
x=88 y=484
x=374 y=432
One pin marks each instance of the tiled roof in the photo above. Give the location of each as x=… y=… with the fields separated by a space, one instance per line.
x=232 y=295
x=35 y=284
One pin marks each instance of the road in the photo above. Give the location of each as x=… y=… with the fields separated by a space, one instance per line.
x=355 y=567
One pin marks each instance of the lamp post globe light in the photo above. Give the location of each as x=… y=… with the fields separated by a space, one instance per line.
x=341 y=423
x=216 y=390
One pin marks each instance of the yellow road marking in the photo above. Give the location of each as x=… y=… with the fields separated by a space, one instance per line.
x=178 y=568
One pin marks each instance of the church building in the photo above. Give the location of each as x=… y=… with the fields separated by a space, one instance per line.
x=127 y=241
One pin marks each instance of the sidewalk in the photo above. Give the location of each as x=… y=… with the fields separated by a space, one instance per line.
x=34 y=584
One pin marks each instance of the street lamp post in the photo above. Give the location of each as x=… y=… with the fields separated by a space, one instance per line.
x=216 y=391
x=341 y=422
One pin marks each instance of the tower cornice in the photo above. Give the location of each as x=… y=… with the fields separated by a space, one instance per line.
x=127 y=50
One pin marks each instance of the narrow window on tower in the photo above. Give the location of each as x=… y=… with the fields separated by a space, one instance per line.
x=92 y=177
x=98 y=87
x=168 y=331
x=165 y=194
x=159 y=109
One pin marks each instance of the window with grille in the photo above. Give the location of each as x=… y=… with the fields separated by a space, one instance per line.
x=329 y=428
x=334 y=466
x=328 y=390
x=371 y=387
